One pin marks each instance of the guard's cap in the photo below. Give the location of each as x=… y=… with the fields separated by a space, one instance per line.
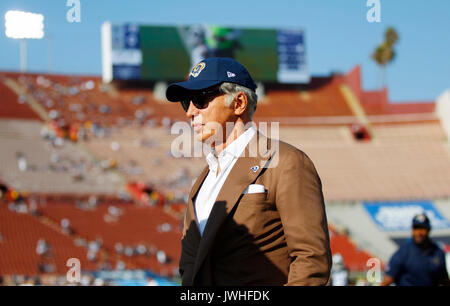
x=422 y=221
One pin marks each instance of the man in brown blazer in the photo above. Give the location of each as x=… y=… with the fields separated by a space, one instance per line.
x=255 y=215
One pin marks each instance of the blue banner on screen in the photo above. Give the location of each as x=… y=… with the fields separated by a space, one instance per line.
x=397 y=216
x=291 y=57
x=126 y=54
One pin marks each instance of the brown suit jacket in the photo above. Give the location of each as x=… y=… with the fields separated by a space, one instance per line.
x=279 y=237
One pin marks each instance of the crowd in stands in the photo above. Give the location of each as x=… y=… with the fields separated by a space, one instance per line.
x=142 y=250
x=82 y=110
x=95 y=249
x=78 y=100
x=53 y=279
x=18 y=201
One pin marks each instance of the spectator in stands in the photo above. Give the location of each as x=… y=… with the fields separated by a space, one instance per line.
x=45 y=265
x=113 y=214
x=114 y=211
x=93 y=201
x=65 y=225
x=419 y=262
x=104 y=263
x=362 y=281
x=119 y=248
x=339 y=273
x=19 y=206
x=33 y=207
x=151 y=282
x=86 y=280
x=3 y=192
x=165 y=227
x=18 y=279
x=42 y=247
x=28 y=281
x=360 y=132
x=152 y=249
x=128 y=251
x=161 y=256
x=22 y=161
x=81 y=242
x=91 y=255
x=99 y=282
x=43 y=250
x=141 y=249
x=120 y=265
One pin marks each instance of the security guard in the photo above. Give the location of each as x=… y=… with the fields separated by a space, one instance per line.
x=419 y=262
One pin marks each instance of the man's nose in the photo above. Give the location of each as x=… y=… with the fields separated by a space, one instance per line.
x=192 y=110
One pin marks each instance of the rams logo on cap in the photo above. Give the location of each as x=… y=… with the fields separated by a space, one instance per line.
x=197 y=69
x=420 y=218
x=254 y=168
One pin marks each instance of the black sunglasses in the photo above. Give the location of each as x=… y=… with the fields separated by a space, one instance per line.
x=200 y=99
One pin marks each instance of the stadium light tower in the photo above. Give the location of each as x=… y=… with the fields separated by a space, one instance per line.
x=24 y=25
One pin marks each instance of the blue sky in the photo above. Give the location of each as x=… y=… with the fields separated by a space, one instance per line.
x=338 y=36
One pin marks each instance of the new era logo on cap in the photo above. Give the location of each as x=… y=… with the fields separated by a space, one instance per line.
x=230 y=74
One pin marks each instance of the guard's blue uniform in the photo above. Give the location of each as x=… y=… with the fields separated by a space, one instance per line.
x=413 y=266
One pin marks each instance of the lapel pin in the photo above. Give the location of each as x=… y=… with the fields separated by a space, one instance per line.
x=254 y=168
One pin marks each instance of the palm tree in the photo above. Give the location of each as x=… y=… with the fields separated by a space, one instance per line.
x=385 y=53
x=391 y=36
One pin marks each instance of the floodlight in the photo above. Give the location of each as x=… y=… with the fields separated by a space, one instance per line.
x=24 y=25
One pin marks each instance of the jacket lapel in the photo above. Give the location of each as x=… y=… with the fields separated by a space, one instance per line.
x=243 y=174
x=195 y=188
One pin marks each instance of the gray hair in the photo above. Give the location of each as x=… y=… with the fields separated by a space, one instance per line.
x=231 y=90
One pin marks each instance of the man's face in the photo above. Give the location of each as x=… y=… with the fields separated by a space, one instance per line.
x=419 y=234
x=211 y=120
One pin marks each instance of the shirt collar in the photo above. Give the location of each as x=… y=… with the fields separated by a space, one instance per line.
x=234 y=149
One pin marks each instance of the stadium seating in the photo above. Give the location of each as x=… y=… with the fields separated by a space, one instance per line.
x=133 y=226
x=355 y=258
x=409 y=162
x=21 y=233
x=126 y=141
x=144 y=154
x=352 y=219
x=86 y=99
x=67 y=168
x=13 y=106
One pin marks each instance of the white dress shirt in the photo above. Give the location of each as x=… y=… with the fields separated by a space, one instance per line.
x=213 y=182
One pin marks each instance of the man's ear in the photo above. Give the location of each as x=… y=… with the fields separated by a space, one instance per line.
x=240 y=104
